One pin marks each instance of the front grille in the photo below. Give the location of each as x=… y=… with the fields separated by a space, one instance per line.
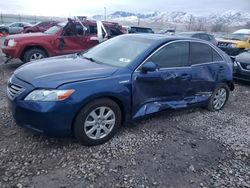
x=14 y=90
x=224 y=44
x=245 y=66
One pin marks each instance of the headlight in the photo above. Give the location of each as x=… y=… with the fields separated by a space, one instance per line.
x=49 y=95
x=12 y=43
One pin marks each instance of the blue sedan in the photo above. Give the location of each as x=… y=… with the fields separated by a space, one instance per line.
x=89 y=95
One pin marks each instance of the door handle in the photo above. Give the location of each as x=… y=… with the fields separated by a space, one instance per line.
x=168 y=76
x=185 y=76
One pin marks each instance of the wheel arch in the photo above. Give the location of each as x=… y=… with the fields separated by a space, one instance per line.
x=90 y=99
x=230 y=84
x=25 y=49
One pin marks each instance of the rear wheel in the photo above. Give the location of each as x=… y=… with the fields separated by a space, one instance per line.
x=97 y=122
x=219 y=98
x=34 y=54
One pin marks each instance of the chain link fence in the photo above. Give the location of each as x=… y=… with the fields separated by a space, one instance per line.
x=9 y=18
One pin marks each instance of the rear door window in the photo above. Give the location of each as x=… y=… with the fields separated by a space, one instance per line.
x=200 y=53
x=93 y=30
x=172 y=55
x=79 y=29
x=216 y=56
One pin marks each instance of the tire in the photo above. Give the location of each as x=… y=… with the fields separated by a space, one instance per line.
x=33 y=54
x=219 y=98
x=86 y=128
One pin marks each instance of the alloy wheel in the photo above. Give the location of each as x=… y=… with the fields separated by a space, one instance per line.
x=36 y=56
x=99 y=123
x=219 y=98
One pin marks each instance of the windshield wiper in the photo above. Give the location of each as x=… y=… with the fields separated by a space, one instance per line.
x=91 y=59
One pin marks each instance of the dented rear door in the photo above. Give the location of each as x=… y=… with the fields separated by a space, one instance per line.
x=208 y=68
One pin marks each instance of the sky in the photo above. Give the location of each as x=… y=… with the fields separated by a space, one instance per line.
x=93 y=7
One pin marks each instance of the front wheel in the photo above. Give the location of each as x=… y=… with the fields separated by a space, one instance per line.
x=33 y=54
x=97 y=122
x=219 y=98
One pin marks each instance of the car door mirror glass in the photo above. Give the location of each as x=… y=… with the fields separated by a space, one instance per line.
x=149 y=67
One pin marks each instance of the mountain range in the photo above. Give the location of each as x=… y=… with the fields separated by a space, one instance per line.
x=228 y=18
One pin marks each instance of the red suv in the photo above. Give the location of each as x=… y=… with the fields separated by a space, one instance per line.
x=63 y=38
x=39 y=27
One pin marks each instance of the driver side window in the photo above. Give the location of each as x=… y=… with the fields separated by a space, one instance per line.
x=79 y=30
x=172 y=55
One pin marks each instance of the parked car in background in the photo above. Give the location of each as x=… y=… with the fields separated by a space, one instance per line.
x=91 y=94
x=134 y=29
x=235 y=43
x=39 y=27
x=199 y=35
x=242 y=66
x=113 y=29
x=59 y=40
x=13 y=28
x=167 y=31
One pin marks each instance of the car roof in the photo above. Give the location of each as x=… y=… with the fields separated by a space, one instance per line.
x=161 y=38
x=26 y=23
x=191 y=33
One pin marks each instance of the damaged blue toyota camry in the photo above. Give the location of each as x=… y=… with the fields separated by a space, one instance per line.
x=90 y=94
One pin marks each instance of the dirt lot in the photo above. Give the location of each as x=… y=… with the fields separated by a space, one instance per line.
x=188 y=148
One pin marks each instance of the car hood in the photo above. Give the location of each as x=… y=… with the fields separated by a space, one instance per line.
x=3 y=26
x=243 y=57
x=53 y=72
x=27 y=35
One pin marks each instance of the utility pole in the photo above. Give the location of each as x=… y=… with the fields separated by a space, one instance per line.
x=105 y=14
x=1 y=18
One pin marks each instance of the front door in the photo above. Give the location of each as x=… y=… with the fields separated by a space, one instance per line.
x=167 y=87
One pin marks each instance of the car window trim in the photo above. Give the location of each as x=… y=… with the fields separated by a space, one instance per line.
x=157 y=50
x=212 y=53
x=189 y=64
x=213 y=62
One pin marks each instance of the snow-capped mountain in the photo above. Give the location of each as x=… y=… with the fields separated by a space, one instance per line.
x=229 y=18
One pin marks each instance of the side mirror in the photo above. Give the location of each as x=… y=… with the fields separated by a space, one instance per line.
x=149 y=67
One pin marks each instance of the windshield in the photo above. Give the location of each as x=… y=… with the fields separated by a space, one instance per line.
x=55 y=28
x=238 y=36
x=37 y=23
x=119 y=51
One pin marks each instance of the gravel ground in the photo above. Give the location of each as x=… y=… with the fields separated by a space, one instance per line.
x=187 y=148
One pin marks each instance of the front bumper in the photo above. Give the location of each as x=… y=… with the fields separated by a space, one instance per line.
x=49 y=118
x=10 y=52
x=240 y=73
